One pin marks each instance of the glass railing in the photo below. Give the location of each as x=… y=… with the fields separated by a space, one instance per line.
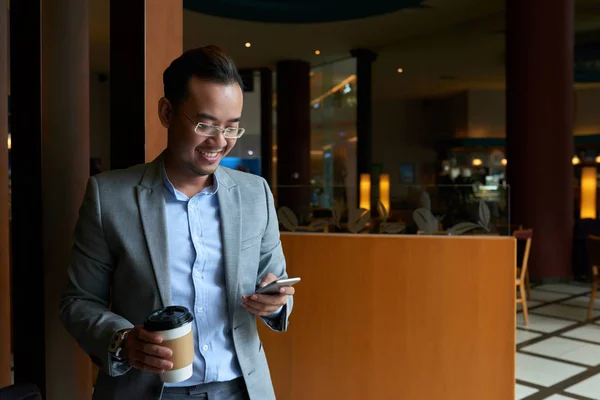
x=455 y=210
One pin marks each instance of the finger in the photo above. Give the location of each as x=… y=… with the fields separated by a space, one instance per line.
x=260 y=307
x=139 y=365
x=154 y=362
x=270 y=299
x=270 y=277
x=260 y=312
x=251 y=309
x=287 y=290
x=149 y=337
x=157 y=351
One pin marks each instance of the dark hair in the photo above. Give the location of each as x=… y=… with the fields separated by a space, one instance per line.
x=208 y=63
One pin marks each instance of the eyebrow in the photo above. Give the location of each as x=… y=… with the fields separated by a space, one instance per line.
x=213 y=118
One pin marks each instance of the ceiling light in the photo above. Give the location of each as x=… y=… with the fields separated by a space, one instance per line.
x=317 y=52
x=575 y=160
x=598 y=160
x=9 y=142
x=248 y=44
x=400 y=70
x=477 y=162
x=504 y=162
x=250 y=152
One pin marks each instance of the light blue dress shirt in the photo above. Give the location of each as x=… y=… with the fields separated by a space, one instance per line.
x=198 y=280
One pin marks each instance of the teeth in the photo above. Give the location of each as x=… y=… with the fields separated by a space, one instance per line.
x=209 y=155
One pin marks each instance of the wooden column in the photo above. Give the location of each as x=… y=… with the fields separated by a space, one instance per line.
x=5 y=322
x=146 y=36
x=539 y=116
x=26 y=163
x=65 y=171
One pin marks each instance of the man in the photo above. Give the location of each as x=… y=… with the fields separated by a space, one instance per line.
x=180 y=231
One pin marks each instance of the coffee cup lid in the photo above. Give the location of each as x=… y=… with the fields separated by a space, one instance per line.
x=168 y=318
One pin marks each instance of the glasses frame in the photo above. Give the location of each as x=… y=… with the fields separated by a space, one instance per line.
x=215 y=128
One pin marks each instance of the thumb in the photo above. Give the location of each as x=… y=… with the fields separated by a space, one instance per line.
x=268 y=279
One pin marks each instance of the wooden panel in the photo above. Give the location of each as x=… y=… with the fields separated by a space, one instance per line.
x=164 y=43
x=397 y=317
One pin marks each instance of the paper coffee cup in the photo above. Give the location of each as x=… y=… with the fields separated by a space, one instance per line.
x=174 y=324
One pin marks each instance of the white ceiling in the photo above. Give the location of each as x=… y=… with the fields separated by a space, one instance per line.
x=452 y=45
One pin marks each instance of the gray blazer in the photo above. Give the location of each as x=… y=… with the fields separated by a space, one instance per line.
x=119 y=270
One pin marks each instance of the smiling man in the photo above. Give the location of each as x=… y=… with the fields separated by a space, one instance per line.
x=180 y=230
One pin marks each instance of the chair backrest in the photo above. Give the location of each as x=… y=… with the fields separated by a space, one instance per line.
x=593 y=248
x=524 y=238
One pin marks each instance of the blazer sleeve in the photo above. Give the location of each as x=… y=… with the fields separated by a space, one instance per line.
x=272 y=260
x=84 y=308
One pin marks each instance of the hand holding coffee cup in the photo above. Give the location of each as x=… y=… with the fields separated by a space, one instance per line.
x=142 y=350
x=173 y=326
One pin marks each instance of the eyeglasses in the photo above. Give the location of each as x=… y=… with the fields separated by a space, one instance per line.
x=203 y=129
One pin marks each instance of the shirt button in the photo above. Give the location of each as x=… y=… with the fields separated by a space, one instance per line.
x=196 y=239
x=205 y=347
x=200 y=309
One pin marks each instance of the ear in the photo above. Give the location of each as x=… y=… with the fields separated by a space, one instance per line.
x=165 y=112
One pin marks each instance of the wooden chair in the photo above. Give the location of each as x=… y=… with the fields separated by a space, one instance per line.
x=511 y=229
x=593 y=247
x=527 y=281
x=524 y=238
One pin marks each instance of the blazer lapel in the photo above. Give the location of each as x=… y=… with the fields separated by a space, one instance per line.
x=231 y=231
x=154 y=222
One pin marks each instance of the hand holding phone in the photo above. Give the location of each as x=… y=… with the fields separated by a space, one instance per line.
x=268 y=299
x=273 y=287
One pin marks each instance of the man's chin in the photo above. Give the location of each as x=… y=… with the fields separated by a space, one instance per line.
x=205 y=169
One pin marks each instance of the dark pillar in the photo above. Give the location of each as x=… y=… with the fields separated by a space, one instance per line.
x=26 y=157
x=266 y=124
x=127 y=94
x=293 y=135
x=146 y=36
x=364 y=83
x=5 y=320
x=539 y=113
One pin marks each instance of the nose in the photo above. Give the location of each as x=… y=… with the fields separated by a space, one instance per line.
x=221 y=141
x=217 y=141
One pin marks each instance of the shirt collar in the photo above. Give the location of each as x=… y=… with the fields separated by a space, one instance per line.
x=180 y=196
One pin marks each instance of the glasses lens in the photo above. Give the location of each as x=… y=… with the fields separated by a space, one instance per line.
x=233 y=133
x=205 y=130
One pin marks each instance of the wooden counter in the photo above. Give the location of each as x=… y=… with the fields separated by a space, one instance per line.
x=397 y=317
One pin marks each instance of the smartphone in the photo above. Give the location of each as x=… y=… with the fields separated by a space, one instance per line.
x=273 y=287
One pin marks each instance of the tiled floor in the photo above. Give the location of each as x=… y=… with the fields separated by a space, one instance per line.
x=558 y=355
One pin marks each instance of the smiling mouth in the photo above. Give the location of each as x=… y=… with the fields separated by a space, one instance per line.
x=210 y=154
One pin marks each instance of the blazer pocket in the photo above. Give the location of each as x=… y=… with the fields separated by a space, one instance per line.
x=246 y=244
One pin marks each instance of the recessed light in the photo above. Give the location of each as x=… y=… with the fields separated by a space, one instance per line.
x=400 y=70
x=250 y=152
x=317 y=52
x=248 y=44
